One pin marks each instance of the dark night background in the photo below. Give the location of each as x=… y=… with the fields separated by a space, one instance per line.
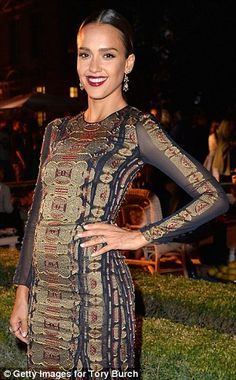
x=185 y=50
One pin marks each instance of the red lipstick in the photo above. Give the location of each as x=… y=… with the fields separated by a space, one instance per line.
x=96 y=81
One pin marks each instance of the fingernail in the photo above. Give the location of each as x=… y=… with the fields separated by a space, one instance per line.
x=82 y=245
x=24 y=334
x=86 y=227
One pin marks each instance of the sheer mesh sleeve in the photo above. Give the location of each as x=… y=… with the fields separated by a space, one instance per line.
x=23 y=273
x=209 y=199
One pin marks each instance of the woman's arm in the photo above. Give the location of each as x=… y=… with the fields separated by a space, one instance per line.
x=23 y=273
x=209 y=199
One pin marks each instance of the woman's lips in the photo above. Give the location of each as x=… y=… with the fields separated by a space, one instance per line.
x=96 y=81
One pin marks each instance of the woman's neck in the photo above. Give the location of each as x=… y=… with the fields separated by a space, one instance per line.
x=99 y=110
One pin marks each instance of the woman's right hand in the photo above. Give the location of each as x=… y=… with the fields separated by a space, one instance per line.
x=19 y=315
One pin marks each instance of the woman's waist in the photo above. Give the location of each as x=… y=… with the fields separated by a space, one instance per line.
x=77 y=225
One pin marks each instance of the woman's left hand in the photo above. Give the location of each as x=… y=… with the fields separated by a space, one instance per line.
x=114 y=237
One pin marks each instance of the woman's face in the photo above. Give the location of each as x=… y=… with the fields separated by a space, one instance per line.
x=102 y=63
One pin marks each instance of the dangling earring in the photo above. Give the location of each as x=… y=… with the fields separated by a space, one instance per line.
x=81 y=86
x=125 y=83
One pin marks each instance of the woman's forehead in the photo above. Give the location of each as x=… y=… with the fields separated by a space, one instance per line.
x=104 y=35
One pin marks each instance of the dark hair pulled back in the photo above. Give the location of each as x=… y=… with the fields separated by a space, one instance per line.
x=113 y=18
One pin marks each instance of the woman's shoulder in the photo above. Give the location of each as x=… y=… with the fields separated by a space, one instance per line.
x=57 y=126
x=58 y=122
x=143 y=117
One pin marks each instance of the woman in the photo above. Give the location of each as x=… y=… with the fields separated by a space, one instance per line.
x=225 y=141
x=212 y=146
x=74 y=288
x=6 y=204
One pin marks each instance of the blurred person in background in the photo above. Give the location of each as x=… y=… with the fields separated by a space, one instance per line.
x=9 y=211
x=165 y=119
x=18 y=160
x=6 y=151
x=6 y=206
x=223 y=157
x=212 y=146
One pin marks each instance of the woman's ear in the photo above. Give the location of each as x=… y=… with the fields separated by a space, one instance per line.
x=129 y=63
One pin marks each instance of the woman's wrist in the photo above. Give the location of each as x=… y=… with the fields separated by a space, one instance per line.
x=22 y=293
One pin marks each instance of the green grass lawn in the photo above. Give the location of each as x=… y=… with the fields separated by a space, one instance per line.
x=172 y=348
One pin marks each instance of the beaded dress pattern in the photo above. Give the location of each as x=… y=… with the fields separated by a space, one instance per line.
x=82 y=307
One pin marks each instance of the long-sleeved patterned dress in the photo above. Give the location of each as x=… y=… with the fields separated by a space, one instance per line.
x=81 y=312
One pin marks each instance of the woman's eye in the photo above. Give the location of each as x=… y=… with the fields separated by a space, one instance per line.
x=83 y=55
x=109 y=56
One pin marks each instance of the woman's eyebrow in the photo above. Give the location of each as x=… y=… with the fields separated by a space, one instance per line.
x=105 y=49
x=101 y=49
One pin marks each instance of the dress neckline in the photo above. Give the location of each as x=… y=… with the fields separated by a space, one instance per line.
x=106 y=118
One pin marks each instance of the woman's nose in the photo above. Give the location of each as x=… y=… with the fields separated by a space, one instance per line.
x=95 y=64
